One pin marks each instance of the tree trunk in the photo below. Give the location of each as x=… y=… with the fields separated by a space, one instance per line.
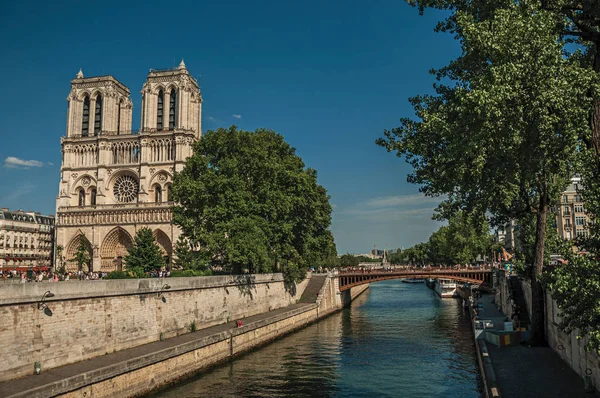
x=537 y=293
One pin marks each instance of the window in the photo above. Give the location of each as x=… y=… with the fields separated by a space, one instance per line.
x=157 y=194
x=168 y=192
x=172 y=109
x=568 y=222
x=567 y=210
x=565 y=198
x=93 y=197
x=582 y=233
x=580 y=220
x=85 y=123
x=159 y=111
x=579 y=209
x=98 y=116
x=578 y=198
x=81 y=197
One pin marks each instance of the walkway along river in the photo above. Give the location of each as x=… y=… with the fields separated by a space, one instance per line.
x=396 y=340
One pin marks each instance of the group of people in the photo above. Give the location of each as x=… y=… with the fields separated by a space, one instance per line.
x=39 y=276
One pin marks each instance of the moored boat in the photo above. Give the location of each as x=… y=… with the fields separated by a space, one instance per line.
x=445 y=288
x=412 y=280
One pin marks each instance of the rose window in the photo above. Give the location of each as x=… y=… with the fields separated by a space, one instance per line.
x=126 y=188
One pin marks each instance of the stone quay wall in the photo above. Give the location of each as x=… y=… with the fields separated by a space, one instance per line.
x=140 y=376
x=92 y=318
x=567 y=346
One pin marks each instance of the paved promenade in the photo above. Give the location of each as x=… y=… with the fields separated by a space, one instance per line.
x=530 y=372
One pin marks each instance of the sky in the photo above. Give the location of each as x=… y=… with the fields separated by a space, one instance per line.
x=329 y=75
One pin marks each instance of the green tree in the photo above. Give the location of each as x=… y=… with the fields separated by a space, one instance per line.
x=144 y=255
x=503 y=137
x=82 y=254
x=251 y=204
x=349 y=260
x=396 y=257
x=60 y=260
x=330 y=258
x=579 y=313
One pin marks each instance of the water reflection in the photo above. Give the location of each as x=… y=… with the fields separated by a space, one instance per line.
x=396 y=340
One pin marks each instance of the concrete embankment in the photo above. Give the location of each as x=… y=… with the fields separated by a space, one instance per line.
x=139 y=370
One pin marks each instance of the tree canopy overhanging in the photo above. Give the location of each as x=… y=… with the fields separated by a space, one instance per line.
x=248 y=201
x=504 y=131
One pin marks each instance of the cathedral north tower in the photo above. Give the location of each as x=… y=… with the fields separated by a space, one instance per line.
x=115 y=180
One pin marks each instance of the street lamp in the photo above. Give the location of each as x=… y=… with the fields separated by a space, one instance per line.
x=42 y=304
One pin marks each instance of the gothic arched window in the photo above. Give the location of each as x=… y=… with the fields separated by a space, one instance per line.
x=158 y=194
x=85 y=123
x=172 y=109
x=159 y=110
x=98 y=116
x=93 y=197
x=81 y=197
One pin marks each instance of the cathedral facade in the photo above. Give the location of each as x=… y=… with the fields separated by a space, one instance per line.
x=114 y=181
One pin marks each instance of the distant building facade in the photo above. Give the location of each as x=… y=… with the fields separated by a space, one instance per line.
x=571 y=218
x=26 y=239
x=115 y=181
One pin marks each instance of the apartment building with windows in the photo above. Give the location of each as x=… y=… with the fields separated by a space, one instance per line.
x=26 y=239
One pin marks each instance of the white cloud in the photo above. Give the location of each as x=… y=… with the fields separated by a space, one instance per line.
x=211 y=119
x=50 y=164
x=237 y=116
x=401 y=200
x=13 y=162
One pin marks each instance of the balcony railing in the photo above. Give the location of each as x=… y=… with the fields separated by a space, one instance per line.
x=130 y=132
x=117 y=206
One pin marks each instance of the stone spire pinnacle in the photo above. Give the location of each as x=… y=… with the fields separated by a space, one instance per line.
x=80 y=74
x=181 y=64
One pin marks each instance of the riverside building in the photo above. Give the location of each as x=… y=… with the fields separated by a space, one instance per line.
x=26 y=239
x=114 y=181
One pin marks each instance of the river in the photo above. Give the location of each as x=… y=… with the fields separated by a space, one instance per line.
x=396 y=340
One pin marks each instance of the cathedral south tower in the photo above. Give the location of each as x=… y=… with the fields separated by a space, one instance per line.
x=115 y=181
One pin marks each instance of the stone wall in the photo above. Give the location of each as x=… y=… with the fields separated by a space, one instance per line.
x=91 y=318
x=142 y=375
x=568 y=347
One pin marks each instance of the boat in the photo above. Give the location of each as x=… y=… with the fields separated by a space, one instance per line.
x=445 y=288
x=430 y=283
x=412 y=280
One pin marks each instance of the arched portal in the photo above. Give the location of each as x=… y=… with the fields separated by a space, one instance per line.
x=114 y=249
x=165 y=245
x=71 y=251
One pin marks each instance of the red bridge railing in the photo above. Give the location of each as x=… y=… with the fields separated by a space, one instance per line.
x=349 y=279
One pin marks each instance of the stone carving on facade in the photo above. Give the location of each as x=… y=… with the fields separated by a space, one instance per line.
x=74 y=175
x=162 y=177
x=152 y=169
x=110 y=91
x=86 y=181
x=109 y=171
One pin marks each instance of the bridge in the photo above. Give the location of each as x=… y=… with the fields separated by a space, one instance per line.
x=349 y=279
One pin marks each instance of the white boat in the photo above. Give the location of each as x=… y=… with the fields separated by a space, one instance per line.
x=445 y=288
x=412 y=280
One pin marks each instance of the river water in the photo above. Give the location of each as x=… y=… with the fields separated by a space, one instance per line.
x=396 y=340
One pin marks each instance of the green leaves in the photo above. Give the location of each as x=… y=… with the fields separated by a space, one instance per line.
x=251 y=204
x=144 y=255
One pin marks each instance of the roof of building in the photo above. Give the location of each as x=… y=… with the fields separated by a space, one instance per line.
x=22 y=216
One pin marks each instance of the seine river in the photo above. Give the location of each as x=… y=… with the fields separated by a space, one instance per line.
x=396 y=340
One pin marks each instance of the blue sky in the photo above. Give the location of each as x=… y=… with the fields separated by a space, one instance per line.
x=328 y=75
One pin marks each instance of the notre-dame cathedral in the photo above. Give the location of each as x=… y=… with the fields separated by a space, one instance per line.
x=114 y=181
